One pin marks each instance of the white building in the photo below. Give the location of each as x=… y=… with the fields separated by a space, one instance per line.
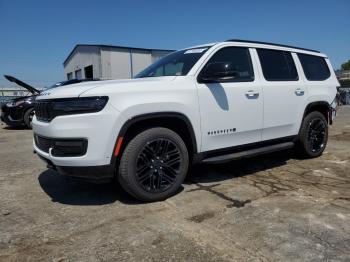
x=109 y=62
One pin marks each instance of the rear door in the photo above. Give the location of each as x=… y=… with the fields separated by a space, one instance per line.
x=231 y=111
x=285 y=93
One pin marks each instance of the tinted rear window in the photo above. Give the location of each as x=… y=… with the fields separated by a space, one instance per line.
x=277 y=65
x=315 y=67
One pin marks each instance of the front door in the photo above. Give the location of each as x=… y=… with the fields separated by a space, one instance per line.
x=231 y=111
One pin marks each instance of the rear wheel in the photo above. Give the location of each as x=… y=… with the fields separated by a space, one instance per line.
x=28 y=117
x=154 y=164
x=313 y=135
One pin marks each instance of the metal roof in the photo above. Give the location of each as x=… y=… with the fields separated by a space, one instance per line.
x=114 y=46
x=273 y=44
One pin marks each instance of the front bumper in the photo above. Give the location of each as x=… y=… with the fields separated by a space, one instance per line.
x=100 y=130
x=91 y=173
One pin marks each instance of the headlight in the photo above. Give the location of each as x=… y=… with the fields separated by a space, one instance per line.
x=79 y=105
x=20 y=102
x=46 y=110
x=17 y=103
x=10 y=104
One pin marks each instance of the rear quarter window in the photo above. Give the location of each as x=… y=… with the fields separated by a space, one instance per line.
x=315 y=67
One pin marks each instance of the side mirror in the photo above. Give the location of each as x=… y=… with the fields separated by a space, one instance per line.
x=218 y=72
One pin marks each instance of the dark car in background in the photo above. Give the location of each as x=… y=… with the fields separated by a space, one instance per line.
x=20 y=111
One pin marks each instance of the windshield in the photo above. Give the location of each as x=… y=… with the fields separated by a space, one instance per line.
x=64 y=83
x=55 y=85
x=178 y=63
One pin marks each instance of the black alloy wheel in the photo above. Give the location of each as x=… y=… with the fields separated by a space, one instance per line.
x=313 y=135
x=158 y=165
x=316 y=135
x=153 y=164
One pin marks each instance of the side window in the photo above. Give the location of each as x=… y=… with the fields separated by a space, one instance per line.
x=277 y=65
x=315 y=67
x=240 y=59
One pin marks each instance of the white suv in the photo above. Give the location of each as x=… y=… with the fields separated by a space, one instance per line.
x=210 y=103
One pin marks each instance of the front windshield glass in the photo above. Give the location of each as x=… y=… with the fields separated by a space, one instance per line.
x=56 y=85
x=178 y=63
x=64 y=83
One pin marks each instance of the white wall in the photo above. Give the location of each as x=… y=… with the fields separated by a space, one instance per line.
x=115 y=63
x=111 y=62
x=84 y=56
x=140 y=60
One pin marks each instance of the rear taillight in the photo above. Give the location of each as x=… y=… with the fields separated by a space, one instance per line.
x=332 y=112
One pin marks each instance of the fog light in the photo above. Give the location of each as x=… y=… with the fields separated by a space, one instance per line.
x=68 y=148
x=68 y=143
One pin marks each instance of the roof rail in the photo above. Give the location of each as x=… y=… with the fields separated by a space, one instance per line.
x=267 y=43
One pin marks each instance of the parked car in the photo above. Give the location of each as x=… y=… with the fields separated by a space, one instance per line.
x=210 y=103
x=20 y=111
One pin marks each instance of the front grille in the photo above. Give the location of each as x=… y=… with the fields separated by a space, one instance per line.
x=62 y=147
x=43 y=111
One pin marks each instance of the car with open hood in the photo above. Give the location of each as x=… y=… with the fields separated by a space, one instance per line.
x=20 y=111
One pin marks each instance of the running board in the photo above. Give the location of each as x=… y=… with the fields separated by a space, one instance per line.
x=248 y=153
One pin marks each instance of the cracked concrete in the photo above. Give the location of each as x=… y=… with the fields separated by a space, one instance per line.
x=270 y=208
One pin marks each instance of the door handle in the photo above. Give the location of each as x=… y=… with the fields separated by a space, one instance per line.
x=252 y=94
x=299 y=92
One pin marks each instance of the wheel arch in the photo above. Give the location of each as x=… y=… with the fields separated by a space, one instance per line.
x=26 y=109
x=177 y=122
x=320 y=106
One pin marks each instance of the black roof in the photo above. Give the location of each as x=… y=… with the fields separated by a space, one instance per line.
x=116 y=46
x=267 y=43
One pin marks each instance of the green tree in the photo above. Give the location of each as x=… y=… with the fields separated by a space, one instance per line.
x=346 y=65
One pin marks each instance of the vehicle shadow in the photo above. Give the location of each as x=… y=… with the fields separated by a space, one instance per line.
x=71 y=191
x=5 y=127
x=209 y=173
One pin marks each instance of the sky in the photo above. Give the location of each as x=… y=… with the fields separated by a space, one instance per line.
x=36 y=36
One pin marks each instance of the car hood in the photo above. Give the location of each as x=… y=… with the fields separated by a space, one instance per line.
x=22 y=84
x=76 y=90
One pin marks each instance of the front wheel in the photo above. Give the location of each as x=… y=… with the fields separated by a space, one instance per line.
x=154 y=164
x=313 y=135
x=28 y=117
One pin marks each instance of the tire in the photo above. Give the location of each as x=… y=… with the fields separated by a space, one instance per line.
x=313 y=135
x=153 y=165
x=28 y=116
